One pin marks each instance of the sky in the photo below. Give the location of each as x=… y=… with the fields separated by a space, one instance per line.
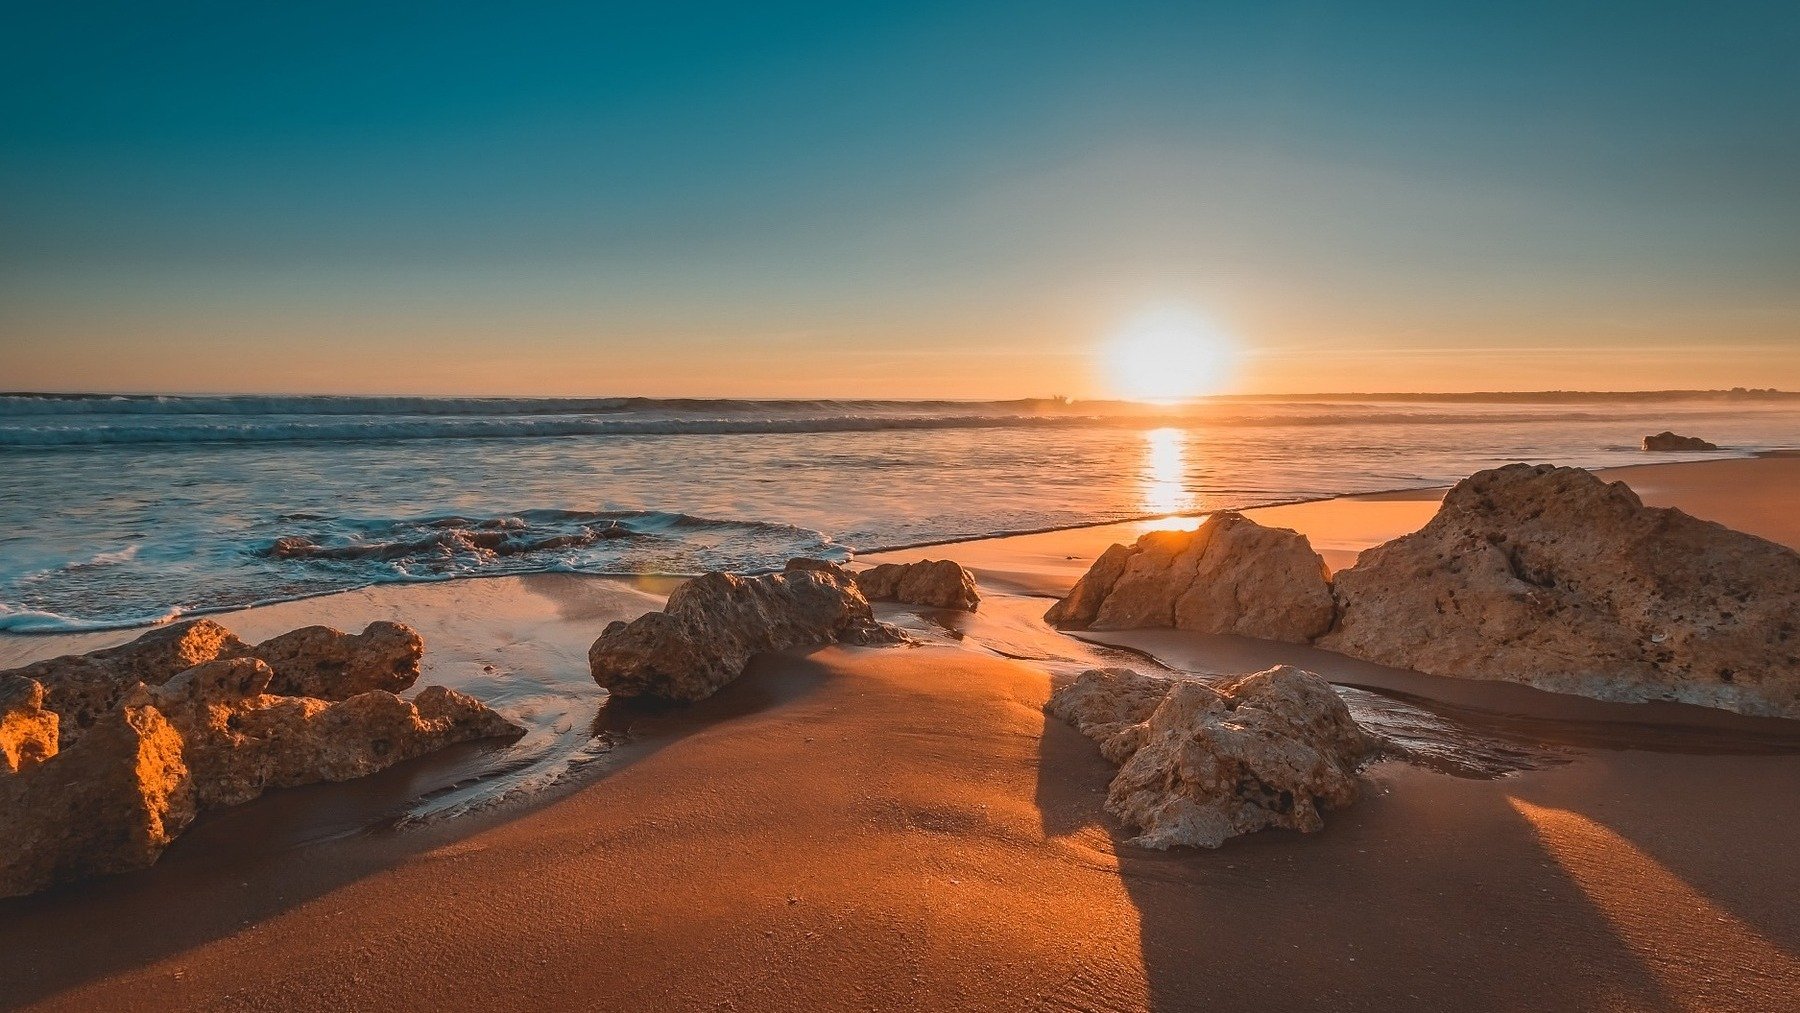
x=937 y=200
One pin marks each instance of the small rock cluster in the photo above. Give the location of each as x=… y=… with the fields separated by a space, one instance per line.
x=1199 y=764
x=1667 y=442
x=106 y=757
x=714 y=623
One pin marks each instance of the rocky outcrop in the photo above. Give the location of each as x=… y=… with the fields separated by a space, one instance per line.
x=713 y=624
x=1200 y=764
x=319 y=661
x=315 y=661
x=1555 y=578
x=155 y=742
x=1229 y=575
x=27 y=728
x=938 y=583
x=110 y=803
x=1668 y=441
x=239 y=740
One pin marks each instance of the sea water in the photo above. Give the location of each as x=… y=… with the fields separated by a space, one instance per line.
x=121 y=510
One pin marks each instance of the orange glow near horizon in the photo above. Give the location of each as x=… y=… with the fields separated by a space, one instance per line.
x=1168 y=354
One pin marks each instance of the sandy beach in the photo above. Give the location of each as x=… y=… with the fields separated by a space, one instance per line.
x=855 y=828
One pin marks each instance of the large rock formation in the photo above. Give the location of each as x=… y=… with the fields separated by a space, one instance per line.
x=1229 y=575
x=1668 y=441
x=939 y=583
x=714 y=623
x=110 y=803
x=1552 y=577
x=315 y=661
x=1201 y=764
x=105 y=757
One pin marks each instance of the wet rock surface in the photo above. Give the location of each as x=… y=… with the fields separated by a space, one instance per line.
x=1202 y=763
x=938 y=583
x=714 y=623
x=1229 y=575
x=1667 y=441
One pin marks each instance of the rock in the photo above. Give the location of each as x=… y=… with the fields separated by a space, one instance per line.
x=1551 y=577
x=319 y=661
x=109 y=803
x=1668 y=441
x=939 y=583
x=81 y=688
x=241 y=740
x=27 y=728
x=312 y=661
x=1204 y=764
x=713 y=624
x=1229 y=575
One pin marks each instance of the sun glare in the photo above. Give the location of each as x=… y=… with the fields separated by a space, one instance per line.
x=1168 y=355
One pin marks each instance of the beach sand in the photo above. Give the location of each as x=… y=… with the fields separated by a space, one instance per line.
x=904 y=829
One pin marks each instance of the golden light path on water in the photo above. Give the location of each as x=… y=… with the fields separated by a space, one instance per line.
x=1164 y=476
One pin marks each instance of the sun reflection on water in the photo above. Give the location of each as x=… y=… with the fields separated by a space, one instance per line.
x=1165 y=488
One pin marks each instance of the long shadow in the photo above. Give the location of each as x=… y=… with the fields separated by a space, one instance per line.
x=237 y=867
x=1431 y=893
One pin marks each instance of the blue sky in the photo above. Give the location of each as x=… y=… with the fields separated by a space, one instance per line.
x=937 y=199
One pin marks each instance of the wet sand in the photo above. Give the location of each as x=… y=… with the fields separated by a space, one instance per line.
x=904 y=829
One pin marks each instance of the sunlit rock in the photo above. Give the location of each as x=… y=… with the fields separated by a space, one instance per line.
x=939 y=583
x=109 y=803
x=319 y=661
x=1201 y=764
x=1552 y=577
x=1229 y=575
x=27 y=727
x=713 y=624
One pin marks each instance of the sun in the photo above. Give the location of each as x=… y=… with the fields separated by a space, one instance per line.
x=1168 y=355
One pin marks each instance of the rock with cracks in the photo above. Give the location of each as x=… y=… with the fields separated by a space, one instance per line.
x=938 y=583
x=713 y=624
x=1200 y=764
x=1229 y=575
x=1552 y=577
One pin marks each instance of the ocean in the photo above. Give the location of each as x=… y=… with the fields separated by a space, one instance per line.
x=123 y=510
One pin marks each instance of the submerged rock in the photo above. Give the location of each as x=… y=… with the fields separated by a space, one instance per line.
x=939 y=583
x=27 y=728
x=1229 y=575
x=110 y=803
x=1551 y=577
x=311 y=661
x=1668 y=441
x=713 y=624
x=1200 y=764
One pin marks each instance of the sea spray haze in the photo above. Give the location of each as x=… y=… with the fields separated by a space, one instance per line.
x=121 y=510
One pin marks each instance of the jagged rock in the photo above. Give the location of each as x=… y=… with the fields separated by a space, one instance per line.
x=714 y=623
x=939 y=583
x=1229 y=575
x=109 y=803
x=1552 y=577
x=311 y=661
x=81 y=688
x=319 y=661
x=27 y=729
x=1668 y=441
x=1272 y=749
x=240 y=740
